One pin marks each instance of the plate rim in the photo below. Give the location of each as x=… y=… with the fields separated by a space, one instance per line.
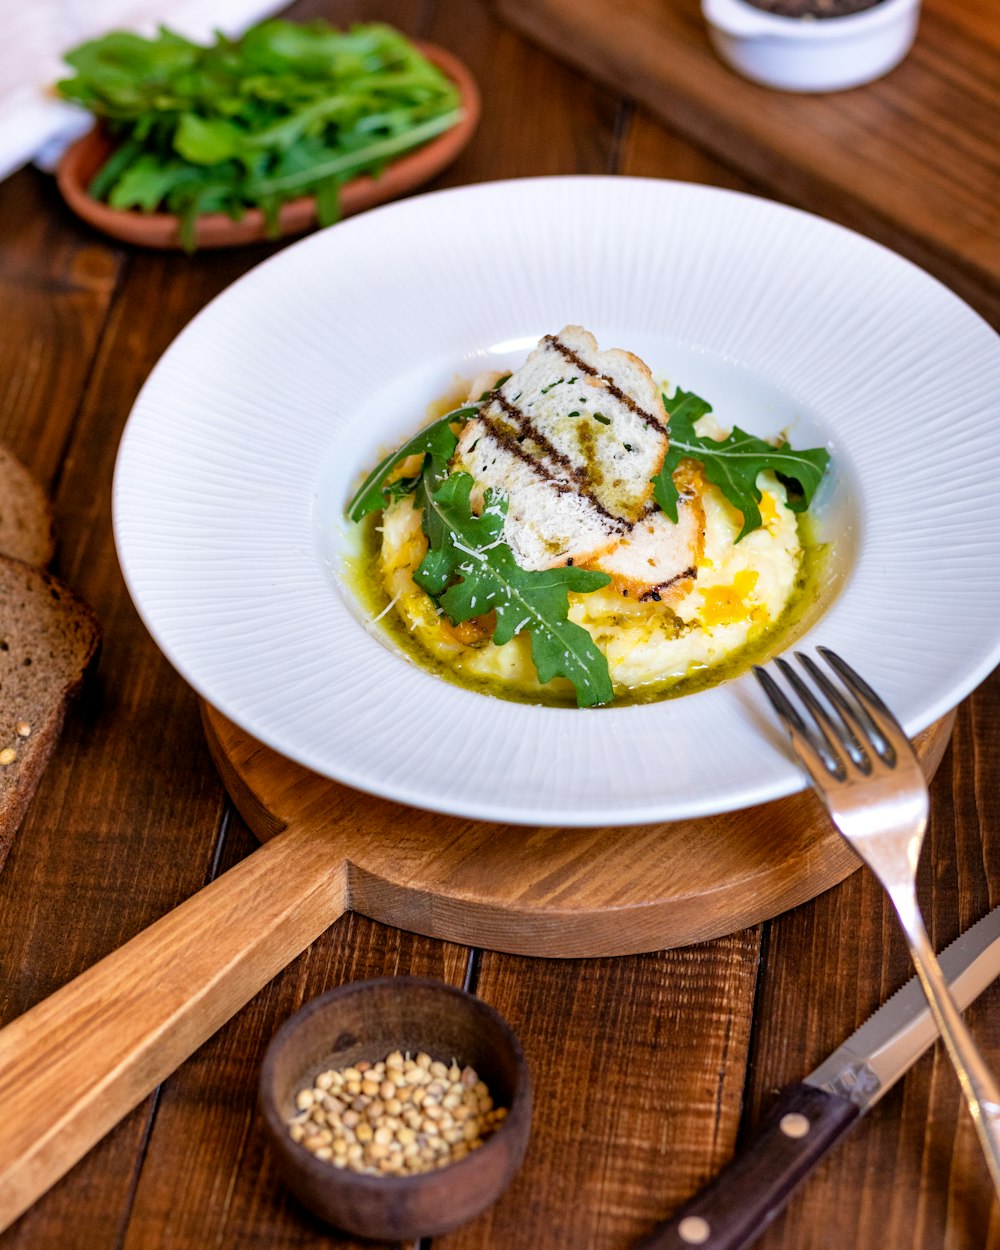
x=791 y=780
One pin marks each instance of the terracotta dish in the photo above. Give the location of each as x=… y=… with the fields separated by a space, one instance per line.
x=81 y=161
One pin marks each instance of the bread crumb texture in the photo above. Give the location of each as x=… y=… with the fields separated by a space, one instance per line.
x=48 y=638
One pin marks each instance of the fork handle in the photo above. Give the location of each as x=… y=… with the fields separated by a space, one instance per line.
x=978 y=1084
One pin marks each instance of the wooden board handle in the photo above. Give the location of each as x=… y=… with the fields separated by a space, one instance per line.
x=125 y=1024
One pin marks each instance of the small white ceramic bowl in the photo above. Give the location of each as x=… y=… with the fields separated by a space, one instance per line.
x=811 y=54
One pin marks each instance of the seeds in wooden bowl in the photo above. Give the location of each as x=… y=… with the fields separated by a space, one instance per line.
x=396 y=1117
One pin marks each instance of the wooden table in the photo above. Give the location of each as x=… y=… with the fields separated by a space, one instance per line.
x=648 y=1069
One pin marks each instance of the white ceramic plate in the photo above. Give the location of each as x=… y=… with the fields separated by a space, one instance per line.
x=252 y=430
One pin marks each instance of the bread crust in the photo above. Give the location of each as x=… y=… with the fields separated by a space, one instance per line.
x=658 y=558
x=49 y=639
x=573 y=438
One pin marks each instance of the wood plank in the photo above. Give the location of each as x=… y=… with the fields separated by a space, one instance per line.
x=208 y=1176
x=56 y=283
x=910 y=159
x=652 y=150
x=603 y=1170
x=539 y=117
x=638 y=1068
x=124 y=825
x=227 y=1195
x=937 y=1198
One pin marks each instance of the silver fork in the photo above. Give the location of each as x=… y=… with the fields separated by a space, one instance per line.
x=864 y=769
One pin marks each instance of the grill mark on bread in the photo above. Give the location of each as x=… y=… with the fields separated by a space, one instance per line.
x=617 y=525
x=530 y=430
x=657 y=591
x=613 y=388
x=574 y=488
x=508 y=442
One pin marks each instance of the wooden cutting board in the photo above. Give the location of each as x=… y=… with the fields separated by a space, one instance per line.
x=123 y=1025
x=547 y=891
x=913 y=152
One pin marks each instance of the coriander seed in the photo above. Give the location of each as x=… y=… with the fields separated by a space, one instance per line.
x=399 y=1116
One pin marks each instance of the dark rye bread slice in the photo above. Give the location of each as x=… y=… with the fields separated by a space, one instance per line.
x=25 y=514
x=48 y=637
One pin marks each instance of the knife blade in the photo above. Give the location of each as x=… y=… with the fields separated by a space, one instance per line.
x=811 y=1116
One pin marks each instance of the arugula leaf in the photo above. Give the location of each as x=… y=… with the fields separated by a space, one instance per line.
x=327 y=201
x=437 y=440
x=147 y=182
x=113 y=168
x=471 y=549
x=348 y=163
x=733 y=463
x=206 y=141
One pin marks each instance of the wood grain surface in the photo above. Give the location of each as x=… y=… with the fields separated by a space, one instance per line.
x=911 y=158
x=550 y=892
x=648 y=1068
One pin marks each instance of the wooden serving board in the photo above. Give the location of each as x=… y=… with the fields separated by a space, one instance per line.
x=126 y=1023
x=547 y=891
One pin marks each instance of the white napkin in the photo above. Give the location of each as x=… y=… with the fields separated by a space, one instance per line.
x=34 y=123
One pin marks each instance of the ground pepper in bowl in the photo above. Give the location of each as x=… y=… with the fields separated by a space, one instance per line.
x=813 y=8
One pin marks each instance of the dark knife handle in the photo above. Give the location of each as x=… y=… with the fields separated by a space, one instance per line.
x=735 y=1208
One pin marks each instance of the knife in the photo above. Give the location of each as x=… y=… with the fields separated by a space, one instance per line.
x=811 y=1116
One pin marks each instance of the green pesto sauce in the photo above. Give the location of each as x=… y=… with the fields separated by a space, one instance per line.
x=766 y=642
x=361 y=573
x=363 y=578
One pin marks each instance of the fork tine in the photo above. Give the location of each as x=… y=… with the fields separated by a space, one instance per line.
x=847 y=715
x=871 y=708
x=836 y=724
x=803 y=735
x=858 y=683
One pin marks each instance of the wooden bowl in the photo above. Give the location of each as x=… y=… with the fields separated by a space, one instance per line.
x=81 y=161
x=369 y=1020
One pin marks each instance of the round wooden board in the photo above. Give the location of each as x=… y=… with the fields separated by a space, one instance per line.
x=548 y=891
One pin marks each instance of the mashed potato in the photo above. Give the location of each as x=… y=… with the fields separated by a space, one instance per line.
x=740 y=593
x=575 y=442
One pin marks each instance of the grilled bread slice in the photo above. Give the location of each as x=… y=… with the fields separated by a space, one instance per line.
x=658 y=558
x=573 y=439
x=48 y=638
